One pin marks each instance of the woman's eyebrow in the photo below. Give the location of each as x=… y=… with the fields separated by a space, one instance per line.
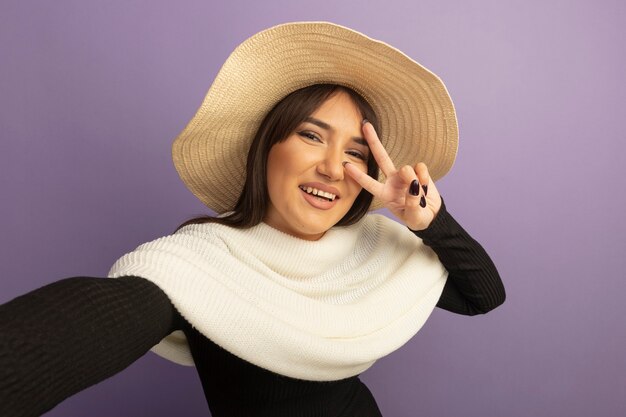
x=318 y=122
x=326 y=126
x=360 y=141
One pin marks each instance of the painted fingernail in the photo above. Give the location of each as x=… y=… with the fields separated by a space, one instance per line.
x=344 y=163
x=422 y=202
x=364 y=121
x=425 y=188
x=414 y=188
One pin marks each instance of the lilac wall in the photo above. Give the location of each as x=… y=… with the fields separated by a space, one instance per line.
x=92 y=94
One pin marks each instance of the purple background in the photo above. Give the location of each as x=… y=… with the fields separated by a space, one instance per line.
x=92 y=94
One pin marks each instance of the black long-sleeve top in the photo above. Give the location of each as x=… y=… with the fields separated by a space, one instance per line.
x=73 y=333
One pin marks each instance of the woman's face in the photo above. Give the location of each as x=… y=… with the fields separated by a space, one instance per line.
x=308 y=162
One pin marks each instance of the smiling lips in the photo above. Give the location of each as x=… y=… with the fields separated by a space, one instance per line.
x=320 y=196
x=319 y=193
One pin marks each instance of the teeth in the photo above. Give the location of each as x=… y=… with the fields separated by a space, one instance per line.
x=319 y=193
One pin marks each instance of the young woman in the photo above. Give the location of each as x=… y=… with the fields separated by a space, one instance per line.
x=294 y=289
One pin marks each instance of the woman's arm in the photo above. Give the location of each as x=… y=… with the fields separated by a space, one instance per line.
x=473 y=285
x=64 y=337
x=410 y=194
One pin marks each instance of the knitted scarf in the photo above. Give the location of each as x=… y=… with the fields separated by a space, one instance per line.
x=316 y=310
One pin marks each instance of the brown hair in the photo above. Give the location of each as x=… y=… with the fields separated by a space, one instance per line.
x=277 y=125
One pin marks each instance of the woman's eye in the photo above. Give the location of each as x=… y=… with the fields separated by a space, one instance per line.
x=357 y=155
x=309 y=135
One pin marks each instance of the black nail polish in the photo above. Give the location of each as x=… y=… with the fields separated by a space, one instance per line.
x=425 y=188
x=414 y=188
x=422 y=202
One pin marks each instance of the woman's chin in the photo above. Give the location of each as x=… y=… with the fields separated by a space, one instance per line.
x=310 y=230
x=309 y=233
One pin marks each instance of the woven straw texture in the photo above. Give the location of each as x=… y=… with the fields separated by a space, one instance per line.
x=416 y=114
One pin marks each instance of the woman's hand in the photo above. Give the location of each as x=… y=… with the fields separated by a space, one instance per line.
x=408 y=193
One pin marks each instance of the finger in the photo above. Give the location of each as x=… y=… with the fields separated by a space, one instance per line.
x=378 y=150
x=413 y=198
x=410 y=182
x=423 y=176
x=364 y=180
x=428 y=186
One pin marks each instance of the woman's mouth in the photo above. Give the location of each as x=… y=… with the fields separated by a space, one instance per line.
x=321 y=195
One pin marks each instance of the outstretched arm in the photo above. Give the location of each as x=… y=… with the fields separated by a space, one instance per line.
x=64 y=337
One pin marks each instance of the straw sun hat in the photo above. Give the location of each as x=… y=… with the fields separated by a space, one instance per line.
x=416 y=115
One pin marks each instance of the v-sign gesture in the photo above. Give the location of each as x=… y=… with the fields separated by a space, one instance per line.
x=408 y=193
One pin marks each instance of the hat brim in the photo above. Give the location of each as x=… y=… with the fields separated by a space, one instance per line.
x=416 y=114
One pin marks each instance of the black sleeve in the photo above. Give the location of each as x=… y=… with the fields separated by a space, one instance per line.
x=64 y=337
x=473 y=285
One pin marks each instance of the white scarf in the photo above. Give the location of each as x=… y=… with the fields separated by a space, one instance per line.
x=316 y=310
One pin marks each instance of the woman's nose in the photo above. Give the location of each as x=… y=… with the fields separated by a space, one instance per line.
x=331 y=165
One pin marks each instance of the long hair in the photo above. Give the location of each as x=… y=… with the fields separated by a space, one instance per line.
x=277 y=125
